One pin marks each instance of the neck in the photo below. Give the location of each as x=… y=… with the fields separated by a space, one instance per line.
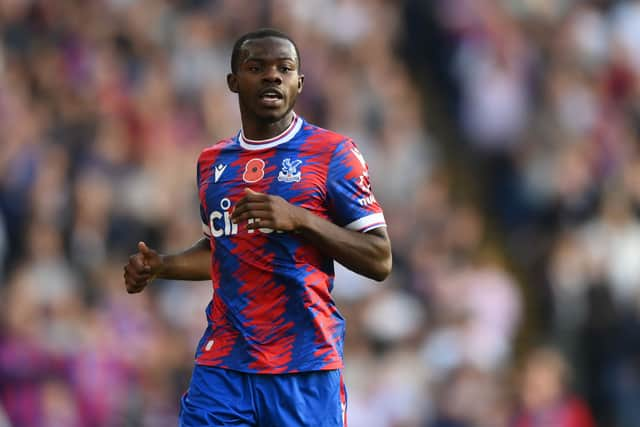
x=260 y=129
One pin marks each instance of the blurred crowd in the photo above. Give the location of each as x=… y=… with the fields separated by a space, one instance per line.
x=106 y=104
x=545 y=107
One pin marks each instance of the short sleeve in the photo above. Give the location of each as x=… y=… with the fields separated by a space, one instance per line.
x=205 y=223
x=351 y=201
x=203 y=213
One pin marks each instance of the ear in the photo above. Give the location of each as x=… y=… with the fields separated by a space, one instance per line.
x=232 y=82
x=300 y=82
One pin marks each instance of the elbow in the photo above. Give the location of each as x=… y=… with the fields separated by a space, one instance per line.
x=382 y=269
x=377 y=264
x=384 y=261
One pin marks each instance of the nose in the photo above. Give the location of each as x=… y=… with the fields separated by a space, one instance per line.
x=272 y=75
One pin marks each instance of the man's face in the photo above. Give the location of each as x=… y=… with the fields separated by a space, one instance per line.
x=267 y=80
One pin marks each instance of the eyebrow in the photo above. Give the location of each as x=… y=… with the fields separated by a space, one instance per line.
x=260 y=59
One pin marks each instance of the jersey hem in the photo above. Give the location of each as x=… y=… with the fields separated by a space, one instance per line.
x=272 y=371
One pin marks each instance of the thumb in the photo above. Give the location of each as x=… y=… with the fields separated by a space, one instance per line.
x=143 y=248
x=250 y=191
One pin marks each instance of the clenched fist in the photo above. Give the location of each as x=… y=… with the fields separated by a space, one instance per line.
x=141 y=269
x=267 y=211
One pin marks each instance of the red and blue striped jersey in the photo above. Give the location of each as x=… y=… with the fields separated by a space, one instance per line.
x=272 y=311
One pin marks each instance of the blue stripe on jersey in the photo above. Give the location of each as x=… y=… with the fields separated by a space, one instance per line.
x=272 y=311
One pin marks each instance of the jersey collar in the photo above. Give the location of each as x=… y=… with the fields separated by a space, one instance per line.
x=285 y=136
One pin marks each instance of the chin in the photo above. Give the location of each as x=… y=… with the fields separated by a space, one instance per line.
x=272 y=115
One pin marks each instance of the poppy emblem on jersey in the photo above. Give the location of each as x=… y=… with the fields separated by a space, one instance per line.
x=253 y=170
x=290 y=172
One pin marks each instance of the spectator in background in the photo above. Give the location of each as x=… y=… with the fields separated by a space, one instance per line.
x=105 y=102
x=102 y=104
x=545 y=393
x=557 y=127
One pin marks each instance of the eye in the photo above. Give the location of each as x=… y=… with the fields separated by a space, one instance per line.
x=286 y=69
x=253 y=68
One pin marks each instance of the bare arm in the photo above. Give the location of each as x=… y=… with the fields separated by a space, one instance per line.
x=147 y=264
x=368 y=254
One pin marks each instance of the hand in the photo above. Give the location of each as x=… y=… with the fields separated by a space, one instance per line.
x=141 y=269
x=267 y=211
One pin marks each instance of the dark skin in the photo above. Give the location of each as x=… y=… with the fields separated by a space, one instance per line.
x=266 y=64
x=268 y=83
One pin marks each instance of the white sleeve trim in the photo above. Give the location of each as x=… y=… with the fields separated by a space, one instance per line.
x=205 y=230
x=368 y=223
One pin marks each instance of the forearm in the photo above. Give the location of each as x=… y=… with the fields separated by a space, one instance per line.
x=191 y=264
x=368 y=254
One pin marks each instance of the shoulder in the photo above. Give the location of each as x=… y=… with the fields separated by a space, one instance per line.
x=329 y=140
x=211 y=152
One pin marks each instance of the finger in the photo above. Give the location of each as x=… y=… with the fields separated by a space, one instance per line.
x=254 y=195
x=260 y=223
x=136 y=264
x=250 y=192
x=248 y=206
x=137 y=274
x=133 y=285
x=134 y=289
x=257 y=215
x=137 y=279
x=143 y=248
x=135 y=261
x=143 y=274
x=132 y=278
x=251 y=204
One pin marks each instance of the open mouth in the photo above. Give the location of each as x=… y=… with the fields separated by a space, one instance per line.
x=271 y=96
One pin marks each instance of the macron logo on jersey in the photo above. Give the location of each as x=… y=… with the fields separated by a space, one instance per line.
x=217 y=171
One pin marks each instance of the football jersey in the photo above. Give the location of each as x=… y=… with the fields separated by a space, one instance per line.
x=272 y=310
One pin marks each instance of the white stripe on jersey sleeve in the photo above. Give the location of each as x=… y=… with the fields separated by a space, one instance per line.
x=368 y=223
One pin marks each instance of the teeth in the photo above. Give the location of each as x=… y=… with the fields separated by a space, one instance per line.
x=271 y=94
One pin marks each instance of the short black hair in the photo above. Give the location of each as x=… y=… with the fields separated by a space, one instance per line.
x=258 y=34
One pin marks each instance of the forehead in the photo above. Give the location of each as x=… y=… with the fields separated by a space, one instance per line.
x=268 y=48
